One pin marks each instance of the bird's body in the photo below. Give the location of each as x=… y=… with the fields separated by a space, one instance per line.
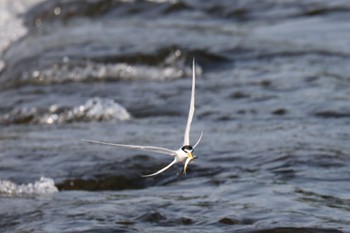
x=183 y=154
x=180 y=156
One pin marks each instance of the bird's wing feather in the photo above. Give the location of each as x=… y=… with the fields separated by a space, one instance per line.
x=162 y=170
x=192 y=107
x=154 y=149
x=200 y=137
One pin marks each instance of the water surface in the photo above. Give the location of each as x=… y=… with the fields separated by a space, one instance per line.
x=272 y=99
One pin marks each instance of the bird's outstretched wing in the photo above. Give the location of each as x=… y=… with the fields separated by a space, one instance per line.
x=154 y=149
x=162 y=170
x=191 y=110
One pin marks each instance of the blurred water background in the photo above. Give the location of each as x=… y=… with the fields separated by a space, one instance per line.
x=273 y=100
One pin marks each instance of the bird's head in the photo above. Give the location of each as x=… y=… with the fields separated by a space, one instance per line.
x=189 y=152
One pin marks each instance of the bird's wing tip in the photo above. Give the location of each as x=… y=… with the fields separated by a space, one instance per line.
x=85 y=140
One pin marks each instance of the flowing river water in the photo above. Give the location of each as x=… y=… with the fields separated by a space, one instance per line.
x=273 y=100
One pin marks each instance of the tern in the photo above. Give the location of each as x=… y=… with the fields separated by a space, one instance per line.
x=185 y=153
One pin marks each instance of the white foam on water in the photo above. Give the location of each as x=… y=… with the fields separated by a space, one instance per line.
x=105 y=108
x=94 y=109
x=42 y=187
x=93 y=71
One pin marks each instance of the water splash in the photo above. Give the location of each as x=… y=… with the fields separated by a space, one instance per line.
x=43 y=186
x=11 y=25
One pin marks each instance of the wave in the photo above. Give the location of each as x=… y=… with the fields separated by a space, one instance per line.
x=41 y=187
x=169 y=65
x=49 y=11
x=94 y=109
x=97 y=71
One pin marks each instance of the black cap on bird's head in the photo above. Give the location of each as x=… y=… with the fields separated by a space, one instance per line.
x=187 y=148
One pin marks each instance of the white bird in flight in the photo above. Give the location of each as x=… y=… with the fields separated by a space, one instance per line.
x=184 y=154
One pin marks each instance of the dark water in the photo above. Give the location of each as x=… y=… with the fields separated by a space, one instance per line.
x=273 y=100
